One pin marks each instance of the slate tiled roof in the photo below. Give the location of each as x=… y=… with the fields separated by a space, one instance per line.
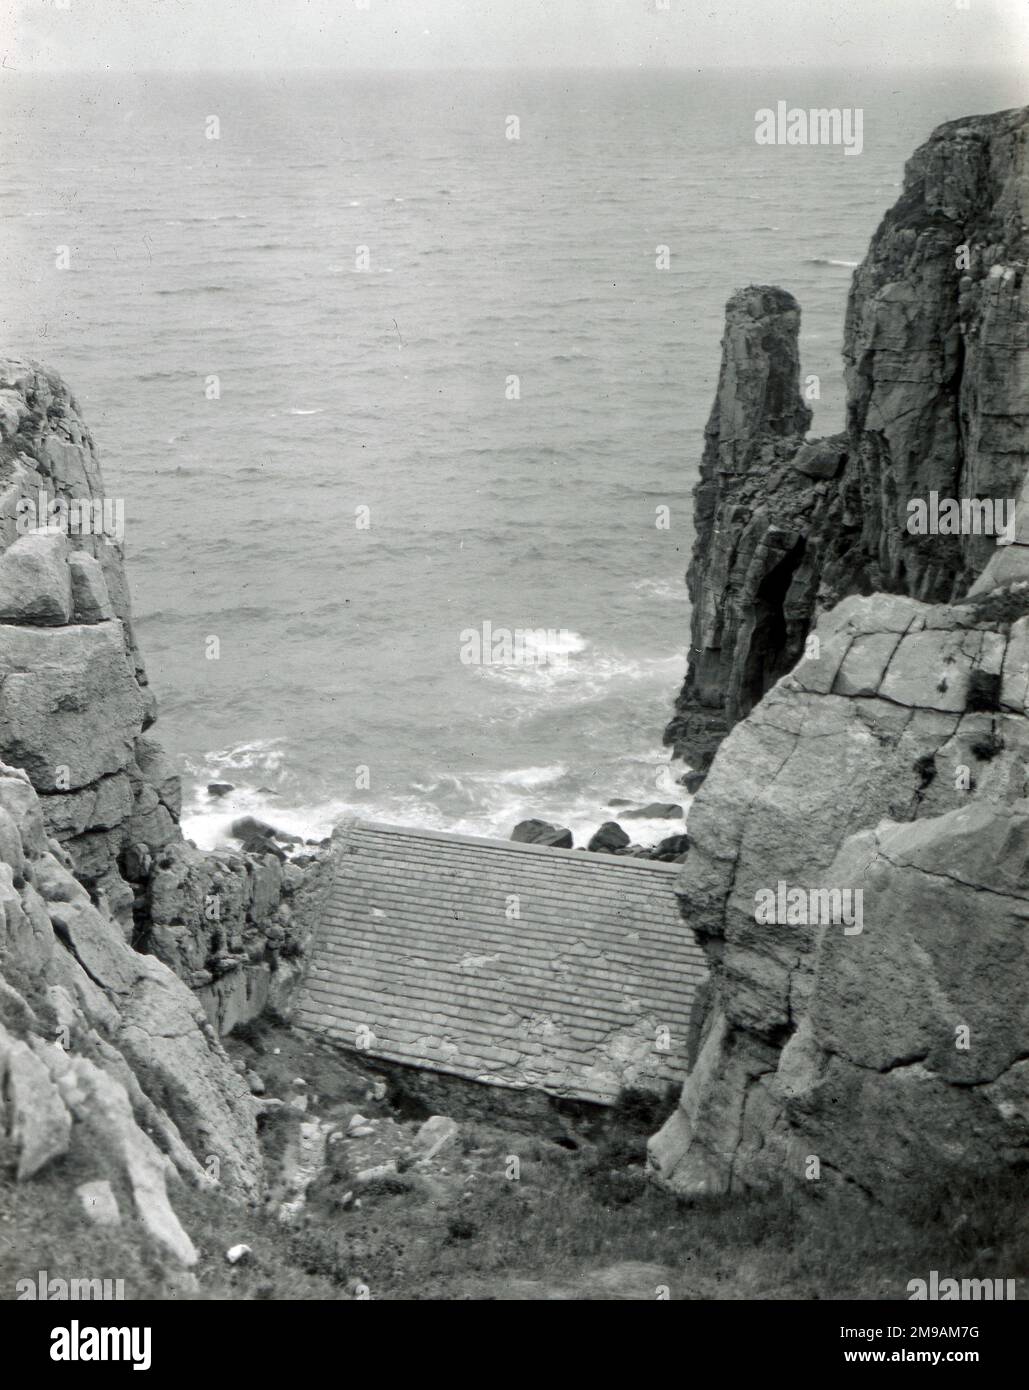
x=517 y=965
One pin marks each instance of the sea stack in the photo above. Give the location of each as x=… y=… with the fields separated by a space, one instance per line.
x=862 y=697
x=934 y=351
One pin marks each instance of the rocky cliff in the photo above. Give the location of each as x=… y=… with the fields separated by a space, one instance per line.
x=864 y=694
x=107 y=914
x=76 y=711
x=105 y=1054
x=933 y=347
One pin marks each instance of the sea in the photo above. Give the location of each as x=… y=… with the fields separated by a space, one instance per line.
x=376 y=359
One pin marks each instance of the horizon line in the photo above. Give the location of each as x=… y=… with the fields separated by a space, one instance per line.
x=527 y=68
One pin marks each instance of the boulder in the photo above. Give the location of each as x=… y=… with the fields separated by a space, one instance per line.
x=91 y=602
x=377 y=1173
x=541 y=832
x=437 y=1131
x=35 y=581
x=249 y=827
x=822 y=458
x=158 y=771
x=656 y=810
x=34 y=1121
x=671 y=848
x=103 y=1109
x=609 y=839
x=99 y=1203
x=70 y=707
x=258 y=838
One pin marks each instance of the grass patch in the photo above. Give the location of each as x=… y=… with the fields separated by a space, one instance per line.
x=798 y=1243
x=544 y=1205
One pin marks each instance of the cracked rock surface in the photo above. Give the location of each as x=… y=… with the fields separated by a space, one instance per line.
x=76 y=709
x=105 y=1054
x=108 y=916
x=936 y=354
x=868 y=741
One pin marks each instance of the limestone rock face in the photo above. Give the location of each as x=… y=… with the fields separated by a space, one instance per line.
x=70 y=707
x=35 y=581
x=872 y=743
x=90 y=598
x=75 y=707
x=136 y=1083
x=73 y=688
x=888 y=1051
x=747 y=575
x=34 y=1121
x=106 y=1053
x=936 y=346
x=936 y=351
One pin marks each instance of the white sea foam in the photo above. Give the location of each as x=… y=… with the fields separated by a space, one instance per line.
x=265 y=754
x=587 y=675
x=544 y=644
x=532 y=776
x=207 y=821
x=484 y=803
x=670 y=590
x=583 y=813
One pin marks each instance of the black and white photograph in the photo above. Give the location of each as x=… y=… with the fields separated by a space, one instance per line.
x=514 y=668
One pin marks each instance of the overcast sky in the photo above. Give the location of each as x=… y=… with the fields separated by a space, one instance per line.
x=203 y=34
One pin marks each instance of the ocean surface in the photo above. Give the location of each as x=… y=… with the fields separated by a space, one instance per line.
x=339 y=685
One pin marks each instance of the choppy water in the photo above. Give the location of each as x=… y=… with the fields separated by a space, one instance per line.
x=385 y=389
